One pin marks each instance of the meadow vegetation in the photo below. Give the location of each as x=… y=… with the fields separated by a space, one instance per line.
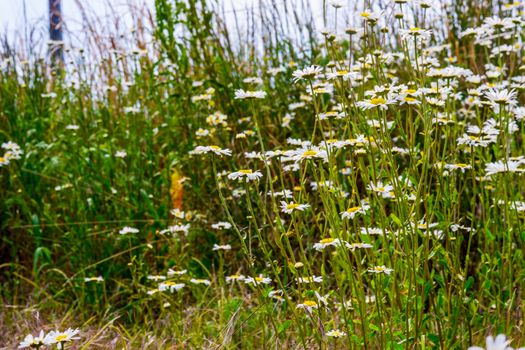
x=193 y=184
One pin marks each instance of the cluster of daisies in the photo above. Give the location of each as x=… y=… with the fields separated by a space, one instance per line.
x=358 y=114
x=57 y=338
x=472 y=118
x=12 y=151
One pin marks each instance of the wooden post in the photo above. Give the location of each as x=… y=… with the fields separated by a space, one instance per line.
x=55 y=33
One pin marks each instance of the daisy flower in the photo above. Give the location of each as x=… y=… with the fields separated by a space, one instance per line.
x=171 y=286
x=13 y=150
x=372 y=231
x=381 y=269
x=234 y=278
x=306 y=73
x=156 y=277
x=335 y=333
x=276 y=294
x=257 y=280
x=59 y=338
x=310 y=279
x=369 y=16
x=354 y=246
x=245 y=174
x=308 y=305
x=326 y=242
x=501 y=97
x=476 y=141
x=253 y=80
x=288 y=208
x=305 y=153
x=386 y=191
x=172 y=272
x=222 y=225
x=32 y=342
x=416 y=33
x=172 y=230
x=283 y=193
x=242 y=95
x=179 y=214
x=214 y=149
x=94 y=279
x=127 y=229
x=501 y=167
x=221 y=247
x=500 y=343
x=350 y=213
x=409 y=100
x=458 y=166
x=336 y=3
x=200 y=281
x=378 y=102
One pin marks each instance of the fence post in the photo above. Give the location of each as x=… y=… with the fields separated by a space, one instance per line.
x=56 y=23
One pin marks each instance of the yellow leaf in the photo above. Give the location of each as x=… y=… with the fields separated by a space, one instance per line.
x=176 y=190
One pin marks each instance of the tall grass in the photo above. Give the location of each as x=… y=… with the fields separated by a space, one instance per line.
x=267 y=184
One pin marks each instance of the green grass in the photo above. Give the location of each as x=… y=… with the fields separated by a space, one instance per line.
x=407 y=241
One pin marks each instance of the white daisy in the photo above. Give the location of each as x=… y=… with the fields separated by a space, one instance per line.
x=381 y=269
x=335 y=333
x=59 y=338
x=245 y=174
x=501 y=167
x=200 y=281
x=221 y=247
x=32 y=342
x=306 y=73
x=214 y=149
x=288 y=208
x=171 y=286
x=241 y=94
x=127 y=229
x=257 y=280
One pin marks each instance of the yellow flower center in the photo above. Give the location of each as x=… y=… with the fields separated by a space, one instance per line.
x=353 y=209
x=377 y=101
x=215 y=147
x=61 y=337
x=310 y=303
x=327 y=240
x=309 y=153
x=246 y=171
x=409 y=99
x=292 y=206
